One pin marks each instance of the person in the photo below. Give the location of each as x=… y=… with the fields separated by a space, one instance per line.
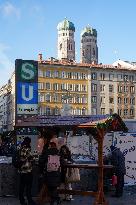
x=117 y=159
x=51 y=173
x=66 y=158
x=25 y=171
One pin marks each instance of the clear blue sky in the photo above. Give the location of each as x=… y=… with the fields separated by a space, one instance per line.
x=28 y=27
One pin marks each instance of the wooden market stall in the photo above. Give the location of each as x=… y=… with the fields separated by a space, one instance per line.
x=98 y=129
x=97 y=126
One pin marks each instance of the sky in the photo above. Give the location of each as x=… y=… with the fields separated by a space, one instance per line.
x=29 y=27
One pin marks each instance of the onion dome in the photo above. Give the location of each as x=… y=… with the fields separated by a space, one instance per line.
x=66 y=25
x=88 y=31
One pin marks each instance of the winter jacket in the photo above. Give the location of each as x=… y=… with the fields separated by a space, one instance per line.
x=26 y=159
x=51 y=178
x=118 y=161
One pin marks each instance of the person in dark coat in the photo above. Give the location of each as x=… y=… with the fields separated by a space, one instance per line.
x=118 y=161
x=51 y=178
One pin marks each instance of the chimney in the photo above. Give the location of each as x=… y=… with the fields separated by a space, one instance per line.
x=40 y=57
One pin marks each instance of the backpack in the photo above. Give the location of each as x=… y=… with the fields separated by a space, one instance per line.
x=16 y=160
x=53 y=163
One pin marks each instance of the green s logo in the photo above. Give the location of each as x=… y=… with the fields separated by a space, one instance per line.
x=28 y=71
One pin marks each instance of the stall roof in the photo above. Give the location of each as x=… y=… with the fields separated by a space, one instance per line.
x=50 y=121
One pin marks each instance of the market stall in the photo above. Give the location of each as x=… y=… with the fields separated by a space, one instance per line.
x=97 y=126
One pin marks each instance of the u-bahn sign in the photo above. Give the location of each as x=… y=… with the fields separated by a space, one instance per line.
x=26 y=81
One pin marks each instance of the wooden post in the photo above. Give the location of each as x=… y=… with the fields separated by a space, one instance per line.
x=100 y=199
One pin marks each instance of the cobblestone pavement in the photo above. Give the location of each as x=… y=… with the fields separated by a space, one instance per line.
x=128 y=198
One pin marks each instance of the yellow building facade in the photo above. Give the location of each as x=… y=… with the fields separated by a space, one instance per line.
x=62 y=88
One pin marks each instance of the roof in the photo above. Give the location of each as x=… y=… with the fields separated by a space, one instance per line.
x=66 y=25
x=88 y=31
x=50 y=121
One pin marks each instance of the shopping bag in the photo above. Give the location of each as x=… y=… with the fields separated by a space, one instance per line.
x=72 y=175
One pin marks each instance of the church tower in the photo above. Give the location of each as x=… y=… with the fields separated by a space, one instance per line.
x=66 y=42
x=89 y=49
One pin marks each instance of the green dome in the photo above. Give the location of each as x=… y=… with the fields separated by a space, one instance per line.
x=88 y=31
x=66 y=25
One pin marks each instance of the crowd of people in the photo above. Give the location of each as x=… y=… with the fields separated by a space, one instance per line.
x=52 y=160
x=51 y=163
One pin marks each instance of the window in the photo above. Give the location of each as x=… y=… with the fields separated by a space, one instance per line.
x=41 y=97
x=94 y=76
x=119 y=77
x=102 y=88
x=94 y=111
x=48 y=97
x=48 y=73
x=119 y=112
x=84 y=99
x=48 y=111
x=40 y=73
x=55 y=97
x=102 y=111
x=76 y=75
x=94 y=88
x=132 y=89
x=119 y=100
x=110 y=88
x=131 y=112
x=70 y=86
x=76 y=87
x=102 y=99
x=111 y=100
x=63 y=74
x=40 y=86
x=120 y=89
x=55 y=86
x=63 y=86
x=60 y=46
x=94 y=99
x=83 y=76
x=93 y=51
x=69 y=75
x=125 y=88
x=102 y=76
x=47 y=86
x=131 y=78
x=56 y=74
x=125 y=111
x=132 y=101
x=125 y=100
x=111 y=76
x=84 y=88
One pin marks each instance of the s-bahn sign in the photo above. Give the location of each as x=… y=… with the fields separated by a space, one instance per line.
x=26 y=72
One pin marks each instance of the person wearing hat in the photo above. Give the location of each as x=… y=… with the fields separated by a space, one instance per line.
x=117 y=159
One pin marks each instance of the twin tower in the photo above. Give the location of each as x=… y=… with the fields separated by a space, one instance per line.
x=66 y=43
